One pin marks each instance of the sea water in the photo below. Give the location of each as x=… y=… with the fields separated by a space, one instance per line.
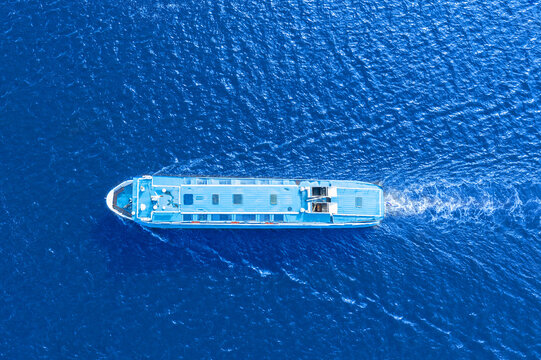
x=438 y=101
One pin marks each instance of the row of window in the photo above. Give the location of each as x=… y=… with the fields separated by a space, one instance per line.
x=237 y=199
x=237 y=217
x=202 y=181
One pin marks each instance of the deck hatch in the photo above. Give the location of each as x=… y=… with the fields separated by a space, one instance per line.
x=215 y=199
x=273 y=199
x=359 y=202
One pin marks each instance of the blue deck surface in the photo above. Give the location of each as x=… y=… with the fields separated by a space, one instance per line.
x=175 y=201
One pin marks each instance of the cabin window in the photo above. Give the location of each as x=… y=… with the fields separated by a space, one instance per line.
x=245 y=217
x=202 y=217
x=221 y=217
x=264 y=217
x=273 y=199
x=188 y=217
x=215 y=199
x=199 y=197
x=225 y=181
x=279 y=217
x=237 y=199
x=188 y=199
x=359 y=202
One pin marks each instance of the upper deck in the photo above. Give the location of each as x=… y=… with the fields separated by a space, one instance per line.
x=172 y=200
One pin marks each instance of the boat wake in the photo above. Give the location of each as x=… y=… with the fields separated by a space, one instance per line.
x=446 y=200
x=154 y=234
x=187 y=167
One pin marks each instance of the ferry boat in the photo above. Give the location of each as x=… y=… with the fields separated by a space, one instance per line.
x=224 y=202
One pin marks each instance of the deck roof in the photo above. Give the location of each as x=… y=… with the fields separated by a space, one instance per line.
x=254 y=199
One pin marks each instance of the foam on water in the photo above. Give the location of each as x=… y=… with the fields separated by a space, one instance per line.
x=448 y=200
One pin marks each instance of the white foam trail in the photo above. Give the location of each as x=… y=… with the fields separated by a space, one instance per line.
x=448 y=200
x=405 y=204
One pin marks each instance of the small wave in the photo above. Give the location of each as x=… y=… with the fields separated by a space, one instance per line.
x=217 y=254
x=261 y=272
x=348 y=300
x=294 y=278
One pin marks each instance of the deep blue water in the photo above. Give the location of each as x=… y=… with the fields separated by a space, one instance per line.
x=440 y=101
